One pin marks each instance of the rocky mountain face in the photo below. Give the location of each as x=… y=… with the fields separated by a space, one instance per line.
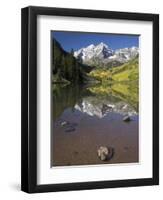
x=102 y=54
x=101 y=51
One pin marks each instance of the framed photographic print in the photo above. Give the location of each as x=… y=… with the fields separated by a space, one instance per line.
x=90 y=99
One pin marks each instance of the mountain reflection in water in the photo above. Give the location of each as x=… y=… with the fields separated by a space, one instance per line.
x=87 y=117
x=96 y=100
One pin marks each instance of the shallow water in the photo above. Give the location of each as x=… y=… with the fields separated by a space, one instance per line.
x=87 y=117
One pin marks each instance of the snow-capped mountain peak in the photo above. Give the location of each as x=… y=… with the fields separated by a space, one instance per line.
x=102 y=53
x=100 y=50
x=102 y=45
x=126 y=54
x=91 y=46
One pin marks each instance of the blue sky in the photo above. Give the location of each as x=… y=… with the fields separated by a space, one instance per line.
x=77 y=40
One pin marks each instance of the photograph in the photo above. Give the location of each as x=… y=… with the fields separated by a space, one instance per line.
x=95 y=98
x=89 y=99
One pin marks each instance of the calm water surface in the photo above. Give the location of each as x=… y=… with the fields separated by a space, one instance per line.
x=87 y=117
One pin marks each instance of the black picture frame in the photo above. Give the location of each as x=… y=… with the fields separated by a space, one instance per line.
x=29 y=98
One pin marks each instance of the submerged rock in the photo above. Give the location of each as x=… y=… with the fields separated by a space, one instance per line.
x=105 y=153
x=126 y=118
x=69 y=126
x=70 y=129
x=64 y=123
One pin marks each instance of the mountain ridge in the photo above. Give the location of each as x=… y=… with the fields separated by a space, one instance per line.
x=102 y=54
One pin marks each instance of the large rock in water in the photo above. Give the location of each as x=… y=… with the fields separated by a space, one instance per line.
x=126 y=118
x=105 y=153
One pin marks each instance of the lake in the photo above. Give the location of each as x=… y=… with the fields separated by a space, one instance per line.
x=86 y=117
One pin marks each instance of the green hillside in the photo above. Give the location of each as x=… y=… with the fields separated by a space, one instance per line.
x=124 y=73
x=127 y=72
